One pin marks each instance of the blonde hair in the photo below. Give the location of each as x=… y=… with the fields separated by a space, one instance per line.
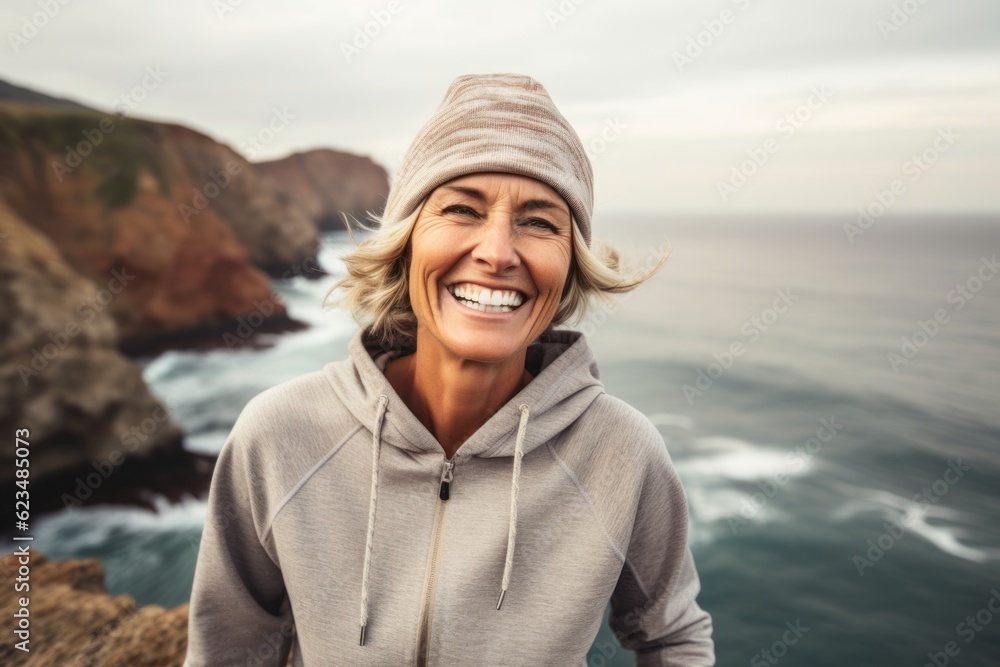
x=376 y=288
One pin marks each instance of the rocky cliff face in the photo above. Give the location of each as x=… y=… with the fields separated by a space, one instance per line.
x=75 y=622
x=118 y=234
x=61 y=374
x=190 y=223
x=276 y=230
x=326 y=183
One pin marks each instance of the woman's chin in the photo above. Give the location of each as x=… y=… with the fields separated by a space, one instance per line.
x=482 y=346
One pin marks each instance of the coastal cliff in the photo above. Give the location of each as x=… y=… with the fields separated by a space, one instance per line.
x=75 y=622
x=326 y=183
x=188 y=221
x=121 y=236
x=61 y=374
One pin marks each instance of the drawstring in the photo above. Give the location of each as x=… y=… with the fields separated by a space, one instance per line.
x=376 y=446
x=514 y=487
x=512 y=524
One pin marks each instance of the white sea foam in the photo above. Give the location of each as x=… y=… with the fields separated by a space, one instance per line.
x=206 y=442
x=712 y=468
x=948 y=524
x=732 y=458
x=668 y=419
x=94 y=527
x=946 y=538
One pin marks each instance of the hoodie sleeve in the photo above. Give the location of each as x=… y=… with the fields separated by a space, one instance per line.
x=239 y=612
x=653 y=607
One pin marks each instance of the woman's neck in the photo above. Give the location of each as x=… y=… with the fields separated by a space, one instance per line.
x=452 y=396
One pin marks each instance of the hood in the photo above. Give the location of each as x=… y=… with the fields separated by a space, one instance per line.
x=565 y=382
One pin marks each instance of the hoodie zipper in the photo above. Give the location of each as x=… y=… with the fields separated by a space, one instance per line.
x=444 y=491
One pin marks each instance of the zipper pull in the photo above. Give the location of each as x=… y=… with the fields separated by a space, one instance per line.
x=446 y=476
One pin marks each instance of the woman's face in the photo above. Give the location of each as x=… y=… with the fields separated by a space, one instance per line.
x=489 y=238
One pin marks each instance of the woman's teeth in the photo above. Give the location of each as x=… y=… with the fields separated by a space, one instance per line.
x=485 y=300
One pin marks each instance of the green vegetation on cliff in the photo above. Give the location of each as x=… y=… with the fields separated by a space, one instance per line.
x=115 y=148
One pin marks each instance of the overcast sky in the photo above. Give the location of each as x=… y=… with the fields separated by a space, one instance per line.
x=686 y=93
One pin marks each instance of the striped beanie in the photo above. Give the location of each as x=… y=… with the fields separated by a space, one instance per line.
x=501 y=123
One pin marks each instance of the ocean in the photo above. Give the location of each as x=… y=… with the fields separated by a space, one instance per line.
x=830 y=397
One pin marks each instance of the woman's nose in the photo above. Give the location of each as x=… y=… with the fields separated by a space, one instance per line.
x=495 y=245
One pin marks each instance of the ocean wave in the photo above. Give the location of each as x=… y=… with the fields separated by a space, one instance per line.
x=736 y=459
x=945 y=532
x=668 y=419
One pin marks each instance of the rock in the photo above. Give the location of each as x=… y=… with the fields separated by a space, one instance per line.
x=275 y=230
x=119 y=197
x=17 y=94
x=61 y=374
x=326 y=182
x=75 y=622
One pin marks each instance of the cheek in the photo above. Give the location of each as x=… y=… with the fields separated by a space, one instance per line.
x=552 y=273
x=418 y=286
x=427 y=265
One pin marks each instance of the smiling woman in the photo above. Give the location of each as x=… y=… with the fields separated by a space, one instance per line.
x=457 y=376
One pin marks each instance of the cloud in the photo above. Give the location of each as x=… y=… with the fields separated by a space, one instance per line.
x=229 y=68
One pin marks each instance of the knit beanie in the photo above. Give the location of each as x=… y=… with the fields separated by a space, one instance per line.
x=501 y=123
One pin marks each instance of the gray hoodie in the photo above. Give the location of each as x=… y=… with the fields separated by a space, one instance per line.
x=335 y=521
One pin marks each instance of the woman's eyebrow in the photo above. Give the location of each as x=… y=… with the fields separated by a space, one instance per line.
x=529 y=205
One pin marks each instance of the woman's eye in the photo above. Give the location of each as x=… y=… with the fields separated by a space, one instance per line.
x=545 y=224
x=532 y=222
